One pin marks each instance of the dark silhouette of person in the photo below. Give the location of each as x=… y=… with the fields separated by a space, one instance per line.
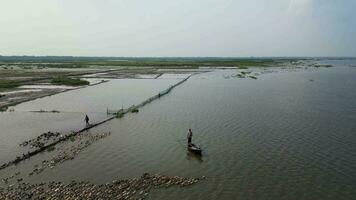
x=86 y=120
x=189 y=136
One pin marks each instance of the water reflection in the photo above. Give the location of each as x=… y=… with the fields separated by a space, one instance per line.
x=194 y=156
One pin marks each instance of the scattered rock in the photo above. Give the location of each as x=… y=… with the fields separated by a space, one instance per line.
x=137 y=188
x=83 y=141
x=41 y=140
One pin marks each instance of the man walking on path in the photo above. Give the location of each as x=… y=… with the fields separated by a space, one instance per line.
x=86 y=120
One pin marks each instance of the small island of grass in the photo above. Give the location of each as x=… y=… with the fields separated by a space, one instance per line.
x=135 y=110
x=253 y=77
x=62 y=80
x=7 y=84
x=119 y=115
x=320 y=65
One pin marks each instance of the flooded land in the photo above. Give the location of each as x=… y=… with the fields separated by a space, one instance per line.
x=269 y=128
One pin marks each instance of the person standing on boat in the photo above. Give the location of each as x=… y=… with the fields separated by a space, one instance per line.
x=86 y=120
x=189 y=136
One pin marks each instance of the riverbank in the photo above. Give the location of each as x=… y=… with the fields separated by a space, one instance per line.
x=12 y=98
x=22 y=85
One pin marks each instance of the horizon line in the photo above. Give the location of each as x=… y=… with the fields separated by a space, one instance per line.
x=75 y=56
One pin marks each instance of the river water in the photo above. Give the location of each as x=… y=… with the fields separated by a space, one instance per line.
x=290 y=134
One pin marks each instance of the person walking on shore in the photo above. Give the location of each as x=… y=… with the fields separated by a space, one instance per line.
x=189 y=136
x=86 y=120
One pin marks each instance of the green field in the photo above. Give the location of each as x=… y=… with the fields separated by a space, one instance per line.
x=82 y=62
x=62 y=80
x=7 y=84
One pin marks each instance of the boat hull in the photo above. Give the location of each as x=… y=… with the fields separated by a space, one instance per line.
x=194 y=149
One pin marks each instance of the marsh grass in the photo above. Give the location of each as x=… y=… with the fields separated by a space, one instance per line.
x=51 y=148
x=159 y=62
x=62 y=80
x=119 y=115
x=324 y=66
x=8 y=84
x=3 y=109
x=135 y=110
x=253 y=77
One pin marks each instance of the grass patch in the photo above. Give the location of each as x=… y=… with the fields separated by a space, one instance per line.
x=135 y=110
x=6 y=84
x=325 y=66
x=3 y=109
x=72 y=138
x=253 y=77
x=155 y=62
x=51 y=148
x=120 y=115
x=62 y=80
x=181 y=62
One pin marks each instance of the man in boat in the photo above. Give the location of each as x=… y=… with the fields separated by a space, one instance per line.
x=86 y=120
x=189 y=137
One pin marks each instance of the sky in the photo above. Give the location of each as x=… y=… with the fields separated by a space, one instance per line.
x=178 y=28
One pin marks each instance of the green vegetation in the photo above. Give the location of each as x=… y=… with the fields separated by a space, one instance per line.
x=46 y=111
x=325 y=66
x=119 y=115
x=7 y=84
x=155 y=62
x=135 y=110
x=253 y=77
x=181 y=63
x=51 y=148
x=245 y=73
x=62 y=80
x=3 y=109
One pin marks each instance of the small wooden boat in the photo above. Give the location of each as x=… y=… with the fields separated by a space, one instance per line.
x=194 y=149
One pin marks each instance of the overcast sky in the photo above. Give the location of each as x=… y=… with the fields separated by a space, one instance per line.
x=178 y=27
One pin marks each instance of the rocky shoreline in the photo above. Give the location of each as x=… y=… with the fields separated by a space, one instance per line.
x=136 y=188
